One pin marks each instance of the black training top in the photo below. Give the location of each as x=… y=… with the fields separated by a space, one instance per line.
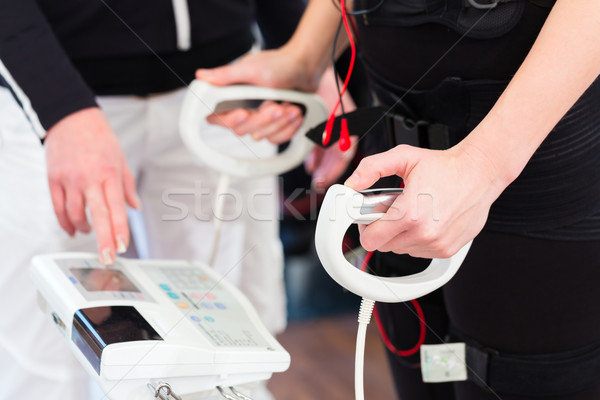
x=57 y=55
x=557 y=196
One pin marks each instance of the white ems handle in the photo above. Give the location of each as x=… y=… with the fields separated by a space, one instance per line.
x=342 y=207
x=202 y=99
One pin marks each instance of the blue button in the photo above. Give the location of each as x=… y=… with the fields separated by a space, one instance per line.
x=209 y=319
x=220 y=306
x=208 y=306
x=73 y=280
x=194 y=318
x=164 y=286
x=173 y=295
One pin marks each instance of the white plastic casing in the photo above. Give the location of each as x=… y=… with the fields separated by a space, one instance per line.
x=186 y=358
x=203 y=98
x=342 y=207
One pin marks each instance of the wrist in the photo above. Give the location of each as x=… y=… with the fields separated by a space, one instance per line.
x=89 y=119
x=498 y=150
x=309 y=66
x=311 y=44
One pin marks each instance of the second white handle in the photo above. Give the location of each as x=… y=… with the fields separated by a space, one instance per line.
x=202 y=99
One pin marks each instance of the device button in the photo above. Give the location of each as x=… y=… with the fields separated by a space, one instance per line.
x=73 y=280
x=195 y=318
x=208 y=306
x=210 y=296
x=209 y=319
x=164 y=286
x=220 y=306
x=173 y=295
x=183 y=305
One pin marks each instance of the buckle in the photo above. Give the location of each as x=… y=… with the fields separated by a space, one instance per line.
x=482 y=4
x=420 y=133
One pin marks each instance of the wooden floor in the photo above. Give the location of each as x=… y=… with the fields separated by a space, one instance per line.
x=322 y=366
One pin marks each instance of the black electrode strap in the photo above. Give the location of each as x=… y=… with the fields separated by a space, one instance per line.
x=361 y=122
x=378 y=121
x=454 y=102
x=531 y=375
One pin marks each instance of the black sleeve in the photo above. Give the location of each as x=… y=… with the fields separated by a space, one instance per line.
x=277 y=20
x=35 y=66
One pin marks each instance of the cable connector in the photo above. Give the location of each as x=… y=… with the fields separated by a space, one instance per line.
x=344 y=141
x=366 y=310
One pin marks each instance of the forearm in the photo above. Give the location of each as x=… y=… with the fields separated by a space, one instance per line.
x=312 y=42
x=563 y=62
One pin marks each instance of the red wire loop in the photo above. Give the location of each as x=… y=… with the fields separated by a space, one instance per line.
x=328 y=129
x=329 y=126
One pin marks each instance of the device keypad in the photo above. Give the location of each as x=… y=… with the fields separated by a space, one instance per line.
x=210 y=307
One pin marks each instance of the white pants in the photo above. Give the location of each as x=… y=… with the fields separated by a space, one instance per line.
x=175 y=222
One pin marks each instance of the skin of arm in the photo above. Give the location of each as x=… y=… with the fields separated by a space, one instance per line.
x=448 y=193
x=298 y=64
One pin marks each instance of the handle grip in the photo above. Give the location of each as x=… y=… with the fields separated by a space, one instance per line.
x=342 y=207
x=202 y=99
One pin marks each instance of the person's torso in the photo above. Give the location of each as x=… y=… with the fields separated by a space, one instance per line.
x=113 y=28
x=412 y=49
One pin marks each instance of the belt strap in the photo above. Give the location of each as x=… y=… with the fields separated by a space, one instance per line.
x=361 y=122
x=379 y=120
x=459 y=104
x=532 y=375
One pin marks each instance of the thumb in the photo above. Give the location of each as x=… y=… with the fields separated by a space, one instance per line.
x=228 y=74
x=219 y=76
x=397 y=161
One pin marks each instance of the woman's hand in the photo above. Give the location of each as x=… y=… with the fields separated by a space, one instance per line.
x=275 y=122
x=87 y=170
x=446 y=199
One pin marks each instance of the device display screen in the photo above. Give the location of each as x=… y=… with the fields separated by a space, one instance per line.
x=100 y=279
x=97 y=327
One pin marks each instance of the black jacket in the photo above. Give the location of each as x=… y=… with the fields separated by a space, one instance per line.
x=56 y=56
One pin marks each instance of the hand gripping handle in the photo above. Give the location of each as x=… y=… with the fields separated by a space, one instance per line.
x=342 y=207
x=202 y=99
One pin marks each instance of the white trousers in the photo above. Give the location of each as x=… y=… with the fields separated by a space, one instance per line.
x=177 y=193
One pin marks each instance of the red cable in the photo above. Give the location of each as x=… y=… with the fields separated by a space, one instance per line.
x=344 y=145
x=365 y=262
x=384 y=336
